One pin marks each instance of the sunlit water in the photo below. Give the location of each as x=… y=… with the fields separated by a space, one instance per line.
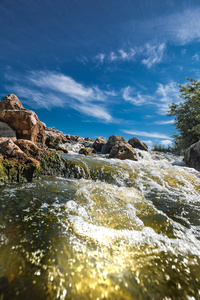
x=128 y=230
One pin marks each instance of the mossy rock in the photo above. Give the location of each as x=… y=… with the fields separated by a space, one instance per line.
x=52 y=163
x=86 y=151
x=16 y=172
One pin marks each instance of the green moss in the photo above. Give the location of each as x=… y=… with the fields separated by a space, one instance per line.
x=52 y=163
x=16 y=172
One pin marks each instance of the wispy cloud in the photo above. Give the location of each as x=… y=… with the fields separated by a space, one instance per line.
x=49 y=89
x=148 y=55
x=166 y=94
x=166 y=142
x=161 y=98
x=147 y=134
x=154 y=54
x=196 y=57
x=130 y=95
x=164 y=122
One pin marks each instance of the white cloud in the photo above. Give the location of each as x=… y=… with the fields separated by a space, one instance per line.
x=137 y=99
x=113 y=56
x=147 y=134
x=164 y=122
x=100 y=57
x=154 y=54
x=196 y=57
x=48 y=90
x=162 y=98
x=127 y=55
x=166 y=94
x=166 y=142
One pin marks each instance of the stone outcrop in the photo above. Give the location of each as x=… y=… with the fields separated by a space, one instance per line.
x=136 y=143
x=29 y=148
x=16 y=165
x=87 y=139
x=7 y=132
x=99 y=143
x=86 y=151
x=54 y=137
x=122 y=151
x=112 y=141
x=23 y=121
x=192 y=156
x=76 y=138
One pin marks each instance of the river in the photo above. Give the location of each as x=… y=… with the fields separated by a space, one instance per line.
x=120 y=230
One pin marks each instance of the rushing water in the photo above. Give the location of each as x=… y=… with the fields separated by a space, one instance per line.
x=128 y=230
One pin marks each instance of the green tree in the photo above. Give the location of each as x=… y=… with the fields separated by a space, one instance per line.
x=187 y=114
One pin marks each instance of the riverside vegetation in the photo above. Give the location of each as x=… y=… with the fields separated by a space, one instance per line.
x=115 y=222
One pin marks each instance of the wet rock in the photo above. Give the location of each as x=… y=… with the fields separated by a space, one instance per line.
x=86 y=151
x=87 y=139
x=29 y=148
x=112 y=141
x=52 y=163
x=76 y=138
x=99 y=143
x=7 y=132
x=122 y=151
x=15 y=165
x=192 y=156
x=25 y=122
x=11 y=151
x=54 y=137
x=136 y=143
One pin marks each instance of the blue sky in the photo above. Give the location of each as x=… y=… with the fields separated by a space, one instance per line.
x=100 y=67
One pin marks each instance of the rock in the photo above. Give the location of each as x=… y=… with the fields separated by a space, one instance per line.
x=7 y=132
x=87 y=139
x=136 y=143
x=54 y=137
x=86 y=151
x=11 y=151
x=15 y=165
x=122 y=151
x=25 y=122
x=112 y=141
x=192 y=156
x=99 y=143
x=29 y=148
x=76 y=138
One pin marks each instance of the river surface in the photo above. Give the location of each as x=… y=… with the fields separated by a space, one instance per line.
x=125 y=230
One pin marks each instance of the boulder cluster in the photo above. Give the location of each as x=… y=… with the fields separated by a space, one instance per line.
x=26 y=144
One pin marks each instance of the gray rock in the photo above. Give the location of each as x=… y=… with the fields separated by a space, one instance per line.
x=99 y=143
x=136 y=143
x=122 y=151
x=7 y=132
x=112 y=141
x=192 y=156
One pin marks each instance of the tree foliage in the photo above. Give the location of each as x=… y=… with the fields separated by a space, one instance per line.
x=187 y=114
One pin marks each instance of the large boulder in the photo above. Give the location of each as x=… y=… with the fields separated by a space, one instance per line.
x=136 y=143
x=86 y=151
x=7 y=132
x=54 y=137
x=112 y=141
x=29 y=148
x=76 y=138
x=25 y=122
x=99 y=143
x=122 y=151
x=192 y=156
x=12 y=152
x=16 y=165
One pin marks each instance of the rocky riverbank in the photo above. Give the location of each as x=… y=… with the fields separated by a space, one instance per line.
x=29 y=149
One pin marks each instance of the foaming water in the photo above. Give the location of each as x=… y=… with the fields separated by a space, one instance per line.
x=122 y=230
